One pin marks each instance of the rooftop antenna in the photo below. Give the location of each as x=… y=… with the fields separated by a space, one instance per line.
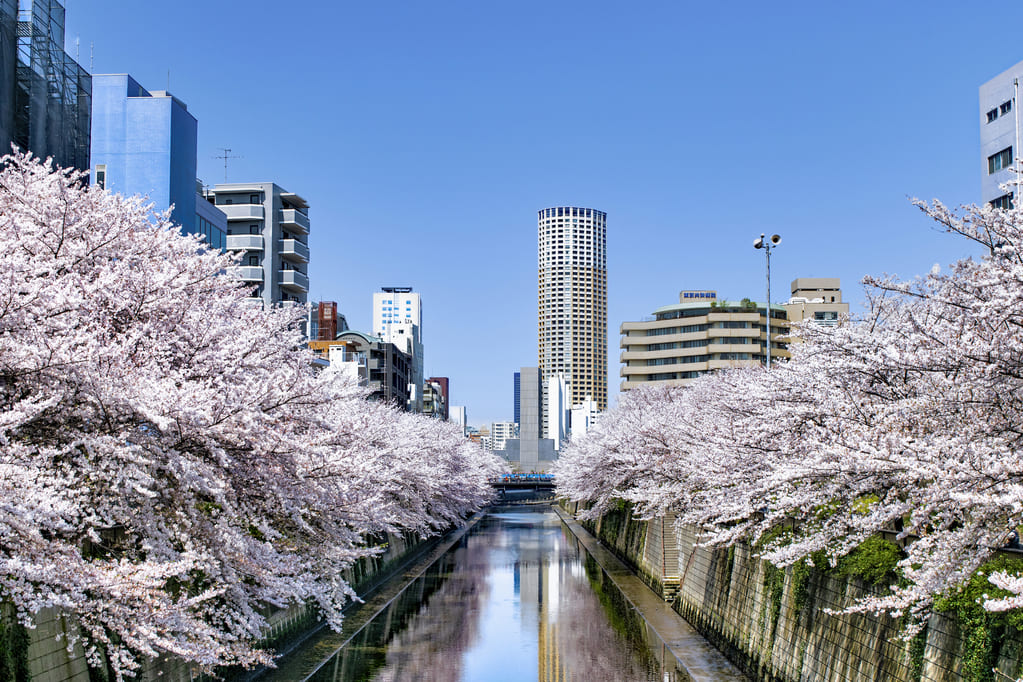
x=168 y=80
x=78 y=49
x=225 y=156
x=92 y=50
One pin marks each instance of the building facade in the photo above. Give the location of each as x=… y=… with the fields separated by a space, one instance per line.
x=572 y=299
x=1000 y=137
x=445 y=393
x=584 y=417
x=398 y=318
x=502 y=432
x=697 y=335
x=434 y=402
x=269 y=226
x=145 y=143
x=818 y=299
x=45 y=96
x=387 y=366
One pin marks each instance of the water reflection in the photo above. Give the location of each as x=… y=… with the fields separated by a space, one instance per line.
x=517 y=599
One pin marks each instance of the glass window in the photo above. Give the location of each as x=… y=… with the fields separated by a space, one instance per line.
x=997 y=162
x=992 y=115
x=1005 y=108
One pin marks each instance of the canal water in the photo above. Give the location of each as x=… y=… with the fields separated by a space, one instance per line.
x=516 y=599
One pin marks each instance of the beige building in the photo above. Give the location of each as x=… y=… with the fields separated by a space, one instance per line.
x=697 y=335
x=818 y=299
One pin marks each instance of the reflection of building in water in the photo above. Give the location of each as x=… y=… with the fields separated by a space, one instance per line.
x=537 y=585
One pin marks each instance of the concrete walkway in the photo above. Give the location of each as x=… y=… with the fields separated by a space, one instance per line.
x=699 y=657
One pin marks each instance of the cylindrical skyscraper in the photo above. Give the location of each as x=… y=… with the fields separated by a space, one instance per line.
x=572 y=300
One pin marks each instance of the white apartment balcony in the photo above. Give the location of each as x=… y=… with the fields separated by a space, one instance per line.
x=293 y=280
x=294 y=250
x=295 y=220
x=242 y=211
x=244 y=242
x=246 y=273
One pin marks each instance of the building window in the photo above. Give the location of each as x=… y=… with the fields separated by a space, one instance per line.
x=992 y=115
x=101 y=175
x=997 y=162
x=1003 y=202
x=254 y=199
x=1005 y=107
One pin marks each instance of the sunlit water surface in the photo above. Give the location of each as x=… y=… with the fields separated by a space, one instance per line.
x=517 y=599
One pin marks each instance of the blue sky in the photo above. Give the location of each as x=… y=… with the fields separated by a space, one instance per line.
x=426 y=136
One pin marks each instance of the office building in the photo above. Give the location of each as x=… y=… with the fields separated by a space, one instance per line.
x=558 y=410
x=445 y=392
x=699 y=334
x=387 y=366
x=584 y=417
x=398 y=318
x=434 y=403
x=818 y=299
x=1000 y=137
x=516 y=380
x=269 y=226
x=145 y=143
x=572 y=299
x=348 y=357
x=530 y=451
x=45 y=96
x=502 y=432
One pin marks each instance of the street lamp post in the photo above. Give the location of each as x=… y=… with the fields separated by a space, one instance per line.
x=766 y=245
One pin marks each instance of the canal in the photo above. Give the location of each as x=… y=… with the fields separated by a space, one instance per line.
x=517 y=598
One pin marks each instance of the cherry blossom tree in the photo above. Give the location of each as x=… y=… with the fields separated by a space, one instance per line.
x=906 y=419
x=170 y=463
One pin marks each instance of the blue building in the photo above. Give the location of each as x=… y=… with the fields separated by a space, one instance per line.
x=145 y=143
x=518 y=396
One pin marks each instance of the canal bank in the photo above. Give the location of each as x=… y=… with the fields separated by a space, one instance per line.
x=788 y=625
x=701 y=660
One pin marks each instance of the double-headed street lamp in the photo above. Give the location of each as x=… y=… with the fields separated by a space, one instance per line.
x=766 y=245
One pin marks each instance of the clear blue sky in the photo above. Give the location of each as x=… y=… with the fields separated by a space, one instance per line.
x=425 y=136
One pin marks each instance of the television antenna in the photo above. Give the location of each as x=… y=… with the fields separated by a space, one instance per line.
x=225 y=156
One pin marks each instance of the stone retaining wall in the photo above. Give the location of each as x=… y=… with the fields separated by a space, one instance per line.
x=50 y=661
x=773 y=624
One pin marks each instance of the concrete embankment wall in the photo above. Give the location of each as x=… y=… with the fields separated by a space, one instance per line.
x=43 y=649
x=774 y=623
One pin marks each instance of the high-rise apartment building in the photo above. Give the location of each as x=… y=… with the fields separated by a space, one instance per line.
x=398 y=319
x=1000 y=136
x=145 y=143
x=699 y=334
x=572 y=300
x=270 y=226
x=45 y=96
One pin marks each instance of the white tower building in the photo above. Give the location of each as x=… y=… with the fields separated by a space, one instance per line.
x=572 y=300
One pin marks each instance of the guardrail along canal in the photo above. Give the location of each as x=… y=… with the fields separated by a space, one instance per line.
x=516 y=599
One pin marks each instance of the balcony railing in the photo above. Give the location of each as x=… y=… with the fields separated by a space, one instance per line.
x=293 y=280
x=295 y=220
x=244 y=242
x=294 y=250
x=242 y=211
x=247 y=273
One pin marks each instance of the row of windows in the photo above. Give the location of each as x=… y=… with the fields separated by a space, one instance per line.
x=1003 y=202
x=688 y=329
x=666 y=376
x=997 y=162
x=571 y=211
x=1001 y=110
